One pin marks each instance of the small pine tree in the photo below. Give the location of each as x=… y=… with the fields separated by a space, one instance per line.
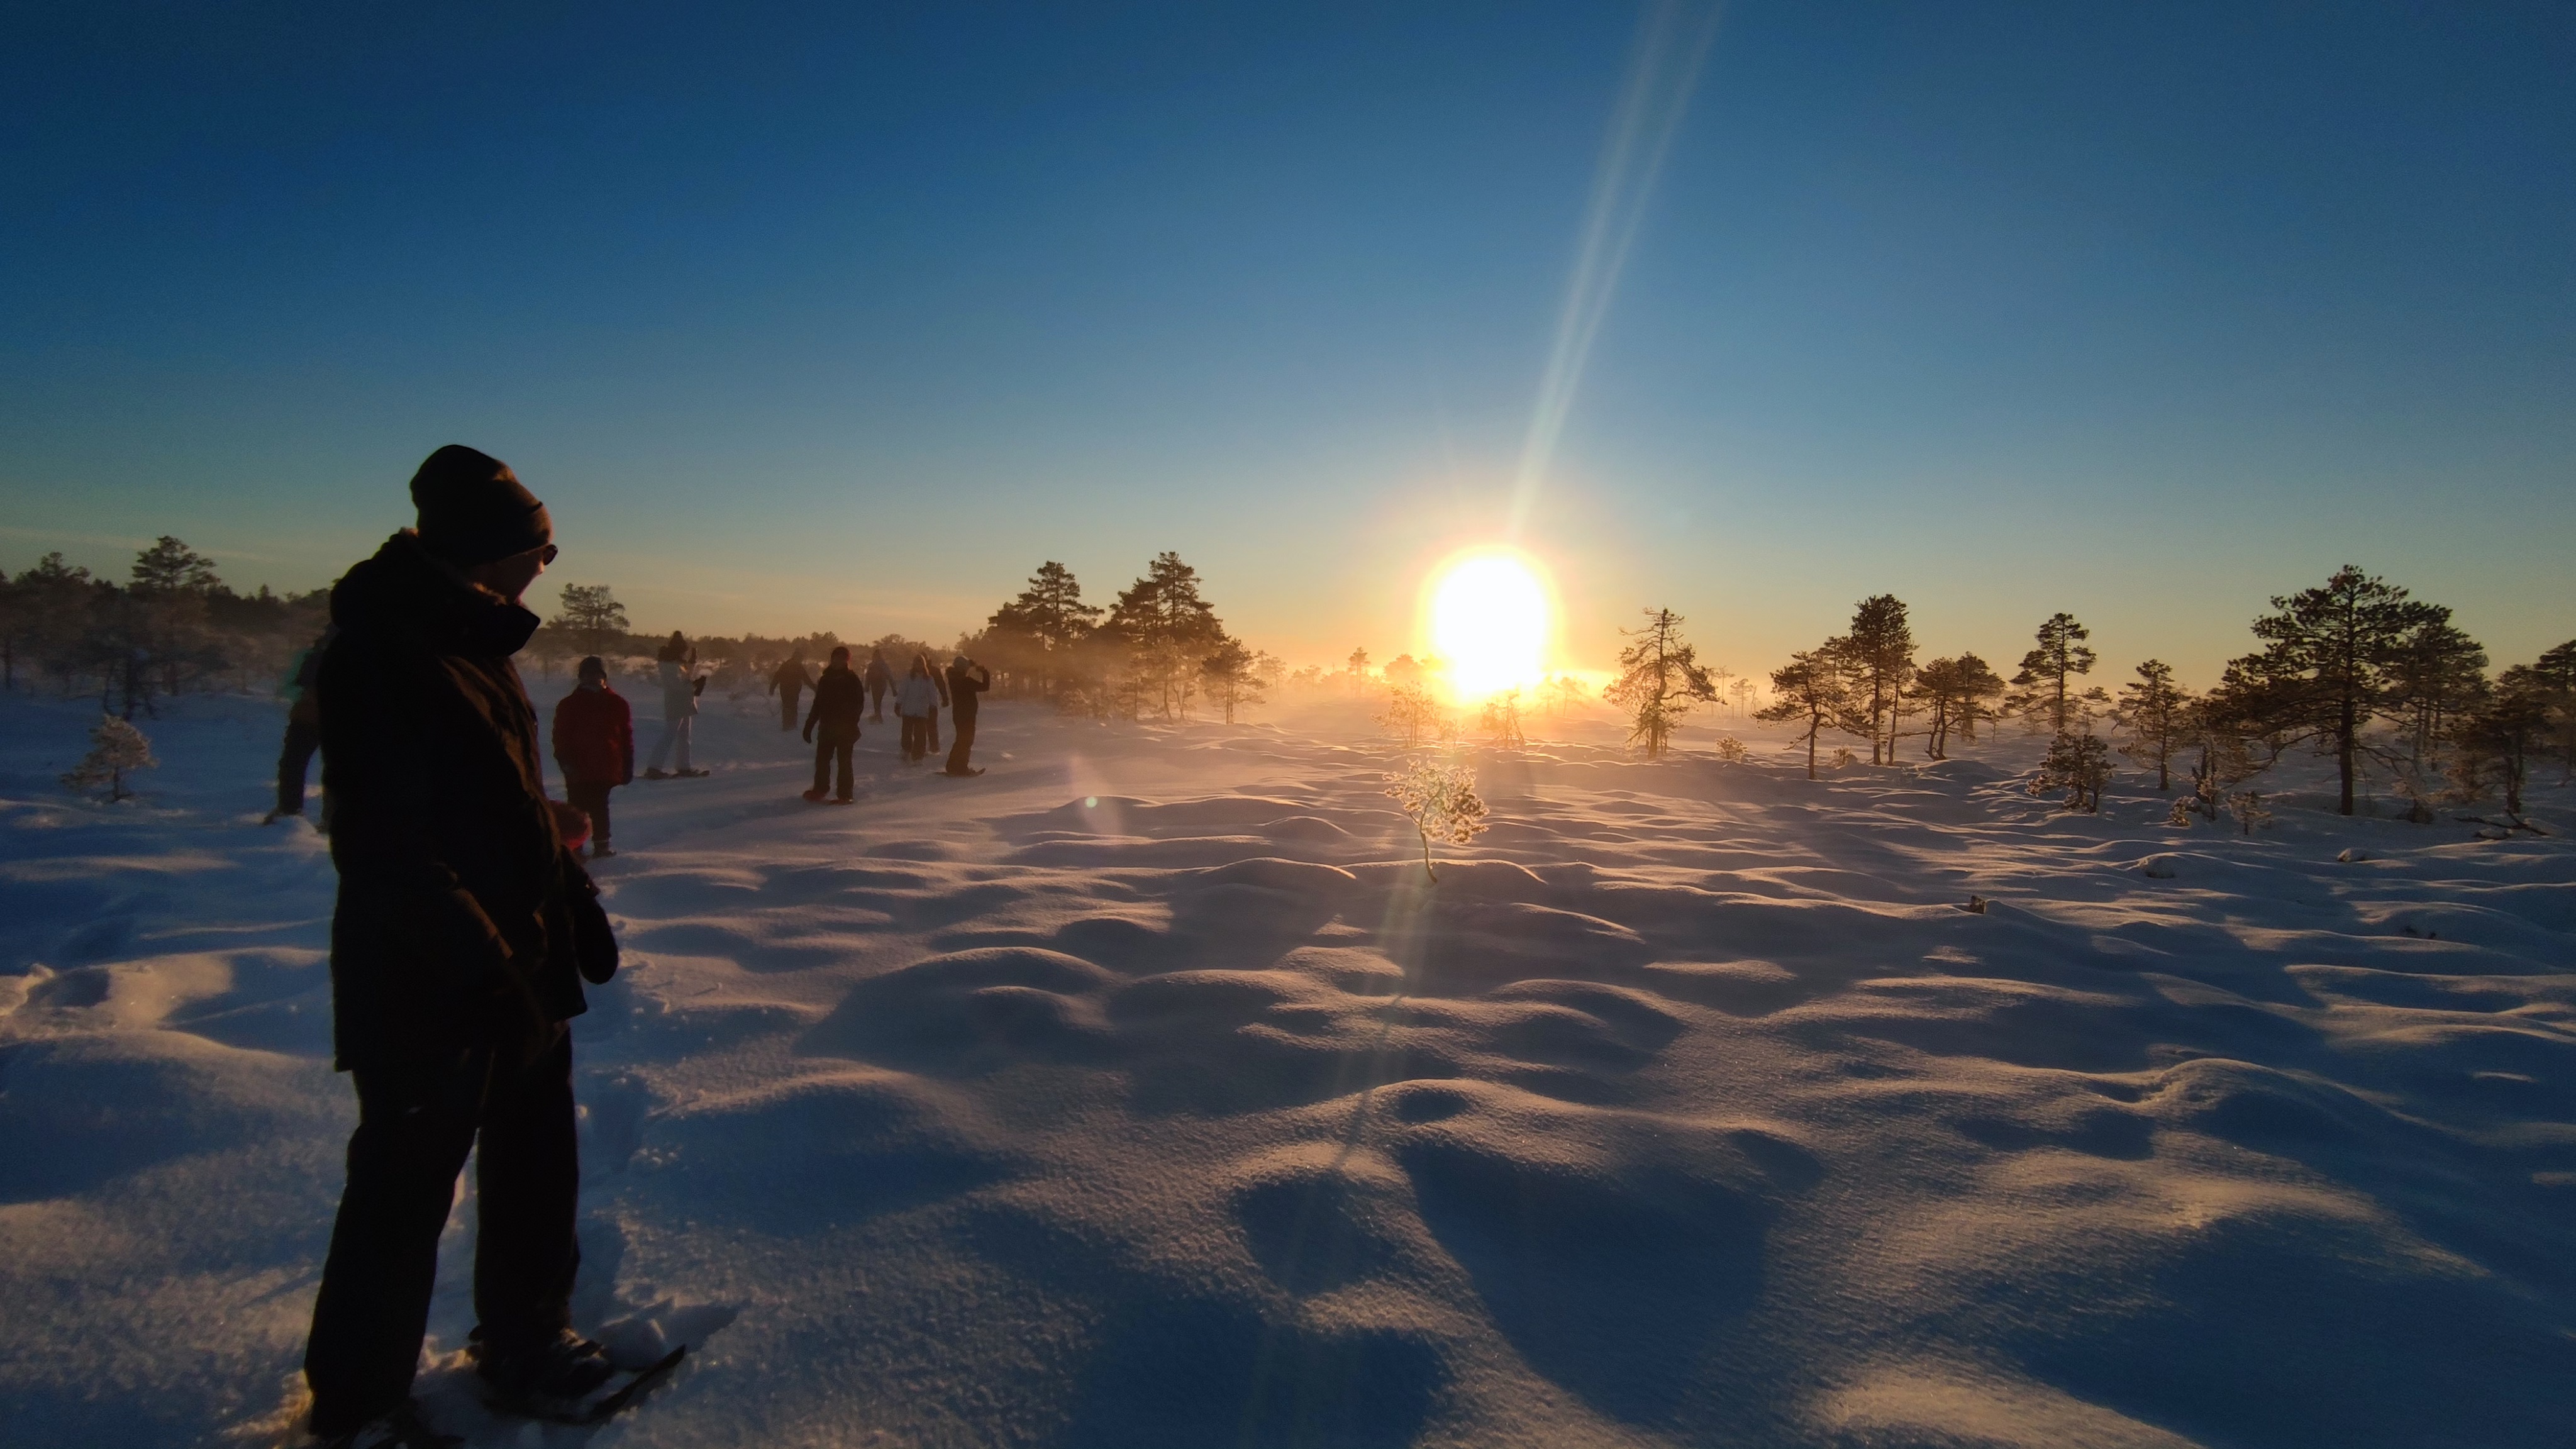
x=1660 y=678
x=2154 y=710
x=592 y=617
x=2079 y=764
x=1441 y=801
x=2044 y=688
x=1233 y=676
x=1729 y=748
x=1503 y=719
x=1413 y=714
x=1810 y=689
x=116 y=749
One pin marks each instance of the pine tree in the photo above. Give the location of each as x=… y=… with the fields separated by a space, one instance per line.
x=2079 y=764
x=1809 y=688
x=1879 y=653
x=1954 y=692
x=2555 y=672
x=2155 y=711
x=1502 y=719
x=2328 y=666
x=592 y=618
x=2438 y=673
x=1660 y=678
x=1169 y=629
x=1233 y=676
x=2044 y=688
x=116 y=749
x=2505 y=731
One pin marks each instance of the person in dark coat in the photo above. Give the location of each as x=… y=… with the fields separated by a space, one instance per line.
x=967 y=681
x=464 y=931
x=594 y=742
x=839 y=697
x=880 y=680
x=303 y=733
x=789 y=684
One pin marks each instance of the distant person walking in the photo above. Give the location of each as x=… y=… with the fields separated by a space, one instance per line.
x=916 y=703
x=463 y=933
x=967 y=681
x=833 y=728
x=594 y=740
x=676 y=662
x=880 y=680
x=790 y=684
x=303 y=732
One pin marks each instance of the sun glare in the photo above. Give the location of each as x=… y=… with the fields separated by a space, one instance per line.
x=1490 y=617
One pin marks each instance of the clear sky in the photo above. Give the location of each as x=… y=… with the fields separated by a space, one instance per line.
x=847 y=316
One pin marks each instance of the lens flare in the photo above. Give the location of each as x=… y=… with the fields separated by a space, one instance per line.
x=1490 y=619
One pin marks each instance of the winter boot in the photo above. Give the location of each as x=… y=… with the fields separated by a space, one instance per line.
x=814 y=795
x=402 y=1428
x=564 y=1367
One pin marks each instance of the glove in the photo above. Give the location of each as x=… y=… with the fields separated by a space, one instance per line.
x=809 y=734
x=594 y=945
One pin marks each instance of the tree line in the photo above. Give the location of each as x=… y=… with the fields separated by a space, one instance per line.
x=2355 y=669
x=1157 y=648
x=172 y=626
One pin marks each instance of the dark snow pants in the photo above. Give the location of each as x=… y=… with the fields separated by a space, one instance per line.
x=295 y=759
x=965 y=745
x=829 y=749
x=787 y=699
x=415 y=1128
x=591 y=799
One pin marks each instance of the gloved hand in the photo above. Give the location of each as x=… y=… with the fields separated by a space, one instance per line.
x=809 y=734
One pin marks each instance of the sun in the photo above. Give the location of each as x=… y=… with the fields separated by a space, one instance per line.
x=1490 y=619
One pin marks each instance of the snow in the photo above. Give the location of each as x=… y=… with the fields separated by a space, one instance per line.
x=1142 y=1092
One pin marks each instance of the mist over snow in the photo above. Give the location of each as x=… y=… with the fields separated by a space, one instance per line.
x=1143 y=1092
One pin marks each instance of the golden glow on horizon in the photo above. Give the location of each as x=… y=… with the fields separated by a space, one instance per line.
x=1490 y=618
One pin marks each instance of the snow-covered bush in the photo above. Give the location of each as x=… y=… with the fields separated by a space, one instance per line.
x=116 y=749
x=1442 y=801
x=1728 y=747
x=1503 y=719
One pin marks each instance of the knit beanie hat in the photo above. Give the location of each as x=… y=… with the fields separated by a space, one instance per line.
x=473 y=509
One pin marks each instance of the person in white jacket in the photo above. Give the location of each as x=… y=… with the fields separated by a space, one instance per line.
x=681 y=683
x=916 y=703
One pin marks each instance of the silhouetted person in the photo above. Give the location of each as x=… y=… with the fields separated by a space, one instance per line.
x=967 y=681
x=833 y=728
x=463 y=934
x=676 y=662
x=789 y=684
x=303 y=733
x=916 y=703
x=594 y=740
x=880 y=680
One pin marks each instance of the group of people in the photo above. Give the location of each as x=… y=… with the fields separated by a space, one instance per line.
x=466 y=928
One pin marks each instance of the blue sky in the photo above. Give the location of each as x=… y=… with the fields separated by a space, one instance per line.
x=808 y=318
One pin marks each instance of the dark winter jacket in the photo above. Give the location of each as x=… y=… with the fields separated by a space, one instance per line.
x=594 y=737
x=461 y=915
x=880 y=676
x=966 y=685
x=791 y=677
x=838 y=697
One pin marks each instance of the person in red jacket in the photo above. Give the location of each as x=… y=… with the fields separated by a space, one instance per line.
x=595 y=748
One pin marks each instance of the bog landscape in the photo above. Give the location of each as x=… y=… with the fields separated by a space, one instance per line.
x=1199 y=726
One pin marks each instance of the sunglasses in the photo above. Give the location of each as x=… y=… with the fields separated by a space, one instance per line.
x=547 y=555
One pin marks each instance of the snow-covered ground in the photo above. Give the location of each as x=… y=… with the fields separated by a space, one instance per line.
x=1143 y=1093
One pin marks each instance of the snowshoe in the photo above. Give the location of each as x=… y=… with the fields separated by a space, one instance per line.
x=966 y=774
x=572 y=1382
x=690 y=774
x=403 y=1428
x=657 y=774
x=815 y=796
x=601 y=851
